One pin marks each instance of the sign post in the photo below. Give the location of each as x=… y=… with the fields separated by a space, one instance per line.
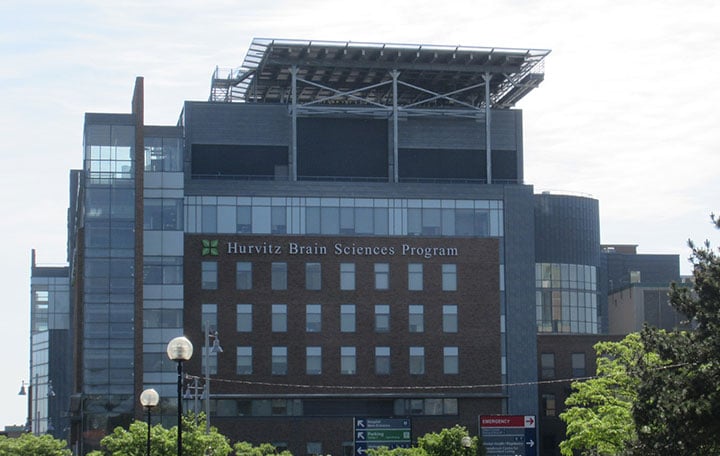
x=509 y=435
x=377 y=432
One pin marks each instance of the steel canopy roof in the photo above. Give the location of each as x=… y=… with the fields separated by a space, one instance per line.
x=329 y=72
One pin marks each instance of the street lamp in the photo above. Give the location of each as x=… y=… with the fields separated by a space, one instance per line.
x=33 y=424
x=179 y=349
x=149 y=399
x=216 y=348
x=466 y=443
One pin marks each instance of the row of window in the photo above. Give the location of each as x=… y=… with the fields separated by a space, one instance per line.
x=348 y=360
x=313 y=276
x=300 y=407
x=154 y=318
x=566 y=276
x=547 y=365
x=351 y=216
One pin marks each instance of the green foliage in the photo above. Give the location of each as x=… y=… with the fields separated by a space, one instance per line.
x=678 y=407
x=385 y=451
x=264 y=449
x=599 y=411
x=448 y=442
x=133 y=441
x=32 y=445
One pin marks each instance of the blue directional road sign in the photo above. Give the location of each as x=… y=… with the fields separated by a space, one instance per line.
x=377 y=432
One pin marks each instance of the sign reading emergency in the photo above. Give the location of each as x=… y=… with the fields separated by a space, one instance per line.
x=509 y=435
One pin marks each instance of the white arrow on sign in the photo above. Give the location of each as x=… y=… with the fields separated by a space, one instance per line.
x=531 y=443
x=361 y=423
x=360 y=435
x=361 y=451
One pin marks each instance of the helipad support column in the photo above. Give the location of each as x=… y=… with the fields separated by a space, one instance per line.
x=488 y=146
x=292 y=159
x=395 y=174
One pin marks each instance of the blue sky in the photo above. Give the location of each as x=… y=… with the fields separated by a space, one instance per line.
x=628 y=113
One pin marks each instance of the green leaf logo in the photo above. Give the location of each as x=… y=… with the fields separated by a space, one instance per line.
x=209 y=247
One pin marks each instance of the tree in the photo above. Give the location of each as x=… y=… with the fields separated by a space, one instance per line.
x=599 y=410
x=32 y=445
x=264 y=449
x=678 y=406
x=448 y=442
x=133 y=441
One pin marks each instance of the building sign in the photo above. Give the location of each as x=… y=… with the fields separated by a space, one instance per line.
x=509 y=435
x=213 y=247
x=381 y=432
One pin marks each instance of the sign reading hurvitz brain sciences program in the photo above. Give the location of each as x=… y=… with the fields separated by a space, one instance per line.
x=509 y=435
x=337 y=249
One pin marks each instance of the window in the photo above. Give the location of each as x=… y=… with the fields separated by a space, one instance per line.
x=279 y=360
x=279 y=317
x=347 y=360
x=313 y=318
x=313 y=360
x=417 y=360
x=243 y=275
x=244 y=219
x=347 y=318
x=312 y=276
x=382 y=360
x=347 y=276
x=547 y=365
x=209 y=275
x=209 y=316
x=244 y=360
x=415 y=318
x=382 y=276
x=415 y=276
x=382 y=318
x=578 y=364
x=548 y=405
x=450 y=318
x=449 y=277
x=314 y=448
x=451 y=360
x=244 y=317
x=279 y=276
x=278 y=224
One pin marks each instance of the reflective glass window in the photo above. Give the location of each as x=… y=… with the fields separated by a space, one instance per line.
x=382 y=360
x=279 y=360
x=347 y=276
x=243 y=275
x=313 y=318
x=451 y=360
x=415 y=276
x=417 y=360
x=279 y=276
x=382 y=276
x=347 y=361
x=416 y=318
x=313 y=360
x=347 y=318
x=313 y=276
x=244 y=317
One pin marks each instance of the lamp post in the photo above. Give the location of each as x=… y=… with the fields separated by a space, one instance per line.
x=466 y=443
x=33 y=424
x=216 y=348
x=149 y=399
x=179 y=349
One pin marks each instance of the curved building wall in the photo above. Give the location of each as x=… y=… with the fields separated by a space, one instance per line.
x=567 y=261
